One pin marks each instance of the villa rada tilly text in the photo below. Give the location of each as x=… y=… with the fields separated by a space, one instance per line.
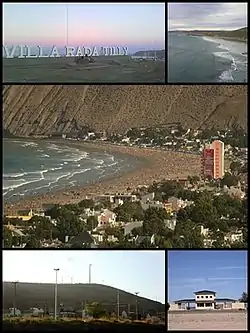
x=27 y=51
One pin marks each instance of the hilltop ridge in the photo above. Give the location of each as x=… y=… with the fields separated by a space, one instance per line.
x=72 y=295
x=45 y=109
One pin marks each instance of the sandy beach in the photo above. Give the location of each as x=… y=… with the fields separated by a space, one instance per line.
x=155 y=165
x=224 y=321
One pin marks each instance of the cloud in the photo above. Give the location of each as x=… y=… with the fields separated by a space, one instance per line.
x=230 y=267
x=227 y=278
x=211 y=16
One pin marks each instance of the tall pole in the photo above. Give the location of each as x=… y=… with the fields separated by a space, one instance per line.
x=67 y=24
x=14 y=297
x=56 y=270
x=118 y=304
x=90 y=265
x=136 y=305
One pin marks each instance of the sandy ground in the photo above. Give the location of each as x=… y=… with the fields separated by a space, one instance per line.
x=208 y=321
x=155 y=165
x=110 y=69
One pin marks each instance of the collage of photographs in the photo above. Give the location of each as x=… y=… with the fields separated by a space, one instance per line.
x=125 y=166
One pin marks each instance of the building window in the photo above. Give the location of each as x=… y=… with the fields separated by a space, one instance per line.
x=206 y=296
x=202 y=296
x=200 y=305
x=198 y=296
x=211 y=296
x=208 y=304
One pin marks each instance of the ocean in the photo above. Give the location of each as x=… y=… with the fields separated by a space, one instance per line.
x=33 y=167
x=195 y=59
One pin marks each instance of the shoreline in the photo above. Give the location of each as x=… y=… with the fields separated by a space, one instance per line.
x=232 y=39
x=153 y=165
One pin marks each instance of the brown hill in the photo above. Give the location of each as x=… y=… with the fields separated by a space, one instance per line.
x=46 y=109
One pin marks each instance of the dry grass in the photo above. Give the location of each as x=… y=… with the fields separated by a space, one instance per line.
x=102 y=324
x=104 y=69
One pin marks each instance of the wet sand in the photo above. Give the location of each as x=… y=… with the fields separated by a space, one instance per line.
x=224 y=321
x=155 y=165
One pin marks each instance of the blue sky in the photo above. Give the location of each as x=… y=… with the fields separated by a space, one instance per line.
x=132 y=271
x=131 y=24
x=224 y=272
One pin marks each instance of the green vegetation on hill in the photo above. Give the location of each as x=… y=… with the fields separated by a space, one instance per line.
x=239 y=34
x=151 y=53
x=74 y=296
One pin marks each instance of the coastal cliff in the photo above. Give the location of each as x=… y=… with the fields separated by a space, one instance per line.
x=30 y=110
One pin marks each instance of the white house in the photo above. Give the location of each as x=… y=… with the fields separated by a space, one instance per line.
x=14 y=312
x=206 y=300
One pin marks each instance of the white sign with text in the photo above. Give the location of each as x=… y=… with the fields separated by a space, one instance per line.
x=28 y=51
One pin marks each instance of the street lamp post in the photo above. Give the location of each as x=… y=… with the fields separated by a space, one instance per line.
x=136 y=305
x=67 y=24
x=118 y=304
x=56 y=270
x=14 y=297
x=90 y=265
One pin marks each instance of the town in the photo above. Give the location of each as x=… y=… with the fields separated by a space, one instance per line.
x=208 y=210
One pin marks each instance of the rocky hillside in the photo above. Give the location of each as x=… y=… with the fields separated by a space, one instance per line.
x=47 y=109
x=72 y=295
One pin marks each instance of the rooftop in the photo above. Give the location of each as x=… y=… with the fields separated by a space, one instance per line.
x=192 y=300
x=204 y=292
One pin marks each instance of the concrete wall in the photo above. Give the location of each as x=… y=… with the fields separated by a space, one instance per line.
x=174 y=307
x=238 y=305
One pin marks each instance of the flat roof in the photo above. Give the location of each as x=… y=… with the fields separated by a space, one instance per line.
x=185 y=300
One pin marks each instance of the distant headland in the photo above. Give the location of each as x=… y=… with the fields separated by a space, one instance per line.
x=239 y=35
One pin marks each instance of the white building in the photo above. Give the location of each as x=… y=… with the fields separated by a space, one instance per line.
x=206 y=300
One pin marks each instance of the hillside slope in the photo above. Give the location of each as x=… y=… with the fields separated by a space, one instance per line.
x=239 y=34
x=46 y=109
x=72 y=295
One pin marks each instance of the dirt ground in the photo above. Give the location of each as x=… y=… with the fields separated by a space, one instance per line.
x=105 y=69
x=223 y=321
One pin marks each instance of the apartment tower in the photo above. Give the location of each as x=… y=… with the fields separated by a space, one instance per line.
x=213 y=160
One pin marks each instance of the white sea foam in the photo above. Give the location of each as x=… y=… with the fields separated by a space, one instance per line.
x=209 y=39
x=53 y=169
x=23 y=182
x=14 y=175
x=226 y=76
x=77 y=172
x=30 y=144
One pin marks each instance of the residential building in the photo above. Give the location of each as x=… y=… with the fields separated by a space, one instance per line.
x=24 y=215
x=106 y=217
x=204 y=299
x=84 y=239
x=128 y=227
x=234 y=236
x=145 y=239
x=213 y=160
